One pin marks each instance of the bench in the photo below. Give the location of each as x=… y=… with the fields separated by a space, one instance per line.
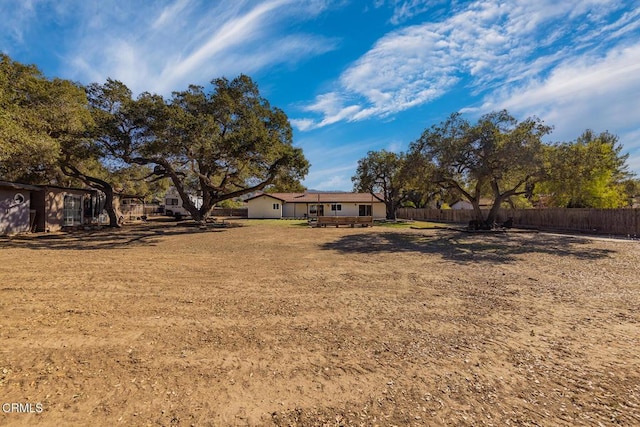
x=364 y=221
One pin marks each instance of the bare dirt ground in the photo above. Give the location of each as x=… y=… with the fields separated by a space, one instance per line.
x=275 y=324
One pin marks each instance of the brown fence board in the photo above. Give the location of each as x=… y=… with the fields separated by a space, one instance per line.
x=601 y=221
x=241 y=212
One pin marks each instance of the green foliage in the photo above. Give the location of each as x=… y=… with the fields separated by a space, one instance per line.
x=632 y=191
x=134 y=180
x=230 y=203
x=498 y=156
x=222 y=143
x=286 y=184
x=382 y=172
x=35 y=115
x=587 y=173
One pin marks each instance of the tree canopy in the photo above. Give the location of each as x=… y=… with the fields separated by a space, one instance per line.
x=221 y=143
x=39 y=118
x=589 y=172
x=498 y=156
x=382 y=172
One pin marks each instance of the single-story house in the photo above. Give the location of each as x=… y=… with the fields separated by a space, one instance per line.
x=39 y=208
x=310 y=205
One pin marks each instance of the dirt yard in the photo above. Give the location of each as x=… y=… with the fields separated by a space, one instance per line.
x=279 y=324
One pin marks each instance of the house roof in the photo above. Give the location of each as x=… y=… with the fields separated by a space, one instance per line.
x=272 y=195
x=60 y=187
x=19 y=186
x=31 y=187
x=329 y=197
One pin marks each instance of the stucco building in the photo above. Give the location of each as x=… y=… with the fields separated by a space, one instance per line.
x=309 y=205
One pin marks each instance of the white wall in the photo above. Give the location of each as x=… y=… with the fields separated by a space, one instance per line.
x=262 y=207
x=379 y=211
x=298 y=210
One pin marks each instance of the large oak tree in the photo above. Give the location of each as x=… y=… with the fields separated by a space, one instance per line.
x=221 y=143
x=381 y=172
x=497 y=156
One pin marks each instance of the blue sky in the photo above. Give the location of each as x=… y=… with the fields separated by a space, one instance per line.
x=356 y=75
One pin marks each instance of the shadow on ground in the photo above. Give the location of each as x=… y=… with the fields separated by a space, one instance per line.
x=469 y=247
x=105 y=238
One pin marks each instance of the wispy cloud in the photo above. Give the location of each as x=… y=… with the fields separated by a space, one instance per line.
x=331 y=178
x=166 y=45
x=22 y=14
x=334 y=165
x=243 y=28
x=407 y=9
x=169 y=13
x=485 y=44
x=596 y=92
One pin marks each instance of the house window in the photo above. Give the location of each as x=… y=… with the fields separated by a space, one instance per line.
x=316 y=210
x=276 y=206
x=336 y=207
x=72 y=210
x=364 y=210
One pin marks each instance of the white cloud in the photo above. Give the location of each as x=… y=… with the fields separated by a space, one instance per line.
x=169 y=13
x=164 y=45
x=600 y=93
x=302 y=124
x=334 y=183
x=22 y=14
x=486 y=44
x=338 y=178
x=407 y=9
x=241 y=29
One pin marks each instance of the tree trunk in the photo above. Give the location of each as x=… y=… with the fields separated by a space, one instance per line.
x=114 y=220
x=476 y=210
x=493 y=213
x=391 y=211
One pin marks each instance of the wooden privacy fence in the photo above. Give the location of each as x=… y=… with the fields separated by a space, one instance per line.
x=241 y=212
x=136 y=211
x=601 y=221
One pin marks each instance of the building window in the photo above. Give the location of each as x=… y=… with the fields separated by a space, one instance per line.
x=364 y=210
x=336 y=207
x=316 y=210
x=72 y=210
x=276 y=206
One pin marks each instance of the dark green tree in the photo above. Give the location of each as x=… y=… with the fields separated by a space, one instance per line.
x=222 y=144
x=46 y=132
x=498 y=156
x=382 y=172
x=632 y=191
x=32 y=122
